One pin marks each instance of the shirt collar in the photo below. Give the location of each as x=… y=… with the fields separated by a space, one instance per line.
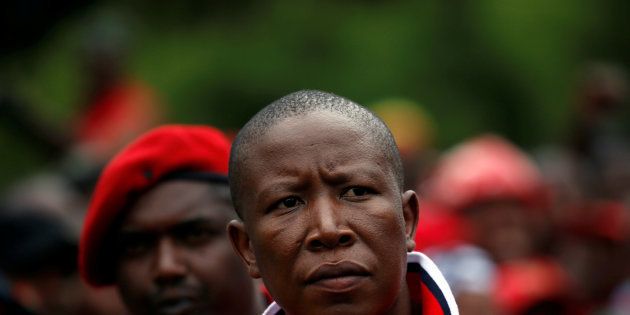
x=426 y=284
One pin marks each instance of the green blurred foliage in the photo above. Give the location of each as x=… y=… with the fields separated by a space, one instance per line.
x=504 y=66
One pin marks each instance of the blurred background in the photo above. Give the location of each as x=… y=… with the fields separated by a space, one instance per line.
x=531 y=95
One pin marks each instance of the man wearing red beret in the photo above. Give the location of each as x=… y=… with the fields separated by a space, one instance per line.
x=156 y=227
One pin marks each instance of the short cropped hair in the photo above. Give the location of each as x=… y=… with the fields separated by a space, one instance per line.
x=299 y=104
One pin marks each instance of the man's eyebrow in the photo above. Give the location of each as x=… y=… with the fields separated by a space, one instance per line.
x=127 y=232
x=349 y=173
x=194 y=223
x=188 y=223
x=124 y=236
x=280 y=186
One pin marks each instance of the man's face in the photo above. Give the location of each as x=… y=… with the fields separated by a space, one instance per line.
x=505 y=228
x=325 y=222
x=174 y=256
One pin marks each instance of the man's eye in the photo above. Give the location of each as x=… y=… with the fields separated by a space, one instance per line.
x=288 y=202
x=357 y=192
x=197 y=235
x=135 y=246
x=285 y=205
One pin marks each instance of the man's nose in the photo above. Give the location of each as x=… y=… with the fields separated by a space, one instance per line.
x=169 y=265
x=328 y=227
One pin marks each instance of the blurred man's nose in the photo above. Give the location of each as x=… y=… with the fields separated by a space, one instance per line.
x=169 y=263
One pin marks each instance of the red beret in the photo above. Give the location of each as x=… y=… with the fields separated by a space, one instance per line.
x=485 y=168
x=138 y=167
x=522 y=284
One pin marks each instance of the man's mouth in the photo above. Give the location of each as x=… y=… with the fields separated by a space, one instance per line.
x=337 y=277
x=175 y=302
x=178 y=306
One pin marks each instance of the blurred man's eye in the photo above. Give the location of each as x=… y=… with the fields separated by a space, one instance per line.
x=135 y=245
x=197 y=235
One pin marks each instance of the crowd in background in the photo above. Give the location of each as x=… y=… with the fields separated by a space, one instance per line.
x=538 y=231
x=515 y=232
x=545 y=232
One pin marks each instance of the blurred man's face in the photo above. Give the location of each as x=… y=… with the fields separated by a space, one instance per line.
x=174 y=256
x=506 y=229
x=325 y=222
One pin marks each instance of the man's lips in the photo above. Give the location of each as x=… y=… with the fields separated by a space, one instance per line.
x=339 y=276
x=172 y=302
x=175 y=306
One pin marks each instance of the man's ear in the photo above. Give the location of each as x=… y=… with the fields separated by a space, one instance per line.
x=411 y=208
x=243 y=246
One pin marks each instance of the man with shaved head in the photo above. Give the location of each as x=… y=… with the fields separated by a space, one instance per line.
x=316 y=180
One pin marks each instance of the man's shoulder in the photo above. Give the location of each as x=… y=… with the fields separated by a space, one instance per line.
x=428 y=286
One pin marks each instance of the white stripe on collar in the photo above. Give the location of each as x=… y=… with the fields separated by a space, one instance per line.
x=415 y=258
x=427 y=264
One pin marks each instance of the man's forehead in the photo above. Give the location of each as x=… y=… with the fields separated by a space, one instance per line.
x=306 y=134
x=302 y=129
x=177 y=200
x=317 y=141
